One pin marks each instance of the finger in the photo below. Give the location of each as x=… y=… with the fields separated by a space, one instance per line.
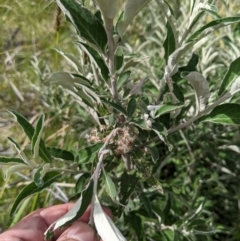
x=78 y=231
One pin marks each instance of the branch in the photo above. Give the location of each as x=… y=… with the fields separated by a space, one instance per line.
x=200 y=114
x=102 y=152
x=111 y=50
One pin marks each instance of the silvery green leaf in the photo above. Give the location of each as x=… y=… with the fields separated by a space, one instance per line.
x=40 y=173
x=37 y=137
x=10 y=160
x=13 y=169
x=88 y=25
x=89 y=92
x=32 y=188
x=67 y=80
x=137 y=88
x=212 y=26
x=71 y=59
x=131 y=10
x=110 y=186
x=74 y=213
x=231 y=80
x=201 y=87
x=104 y=225
x=228 y=114
x=172 y=28
x=108 y=9
x=158 y=110
x=29 y=130
x=20 y=152
x=173 y=60
x=199 y=8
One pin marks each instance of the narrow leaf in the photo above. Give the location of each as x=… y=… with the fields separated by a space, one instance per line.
x=40 y=173
x=131 y=10
x=110 y=186
x=61 y=154
x=71 y=59
x=10 y=160
x=132 y=105
x=146 y=202
x=231 y=78
x=210 y=27
x=123 y=78
x=154 y=153
x=169 y=43
x=32 y=188
x=228 y=114
x=20 y=152
x=118 y=107
x=67 y=80
x=158 y=110
x=108 y=9
x=201 y=87
x=153 y=182
x=128 y=184
x=104 y=225
x=37 y=137
x=89 y=153
x=87 y=24
x=16 y=168
x=74 y=213
x=29 y=130
x=96 y=59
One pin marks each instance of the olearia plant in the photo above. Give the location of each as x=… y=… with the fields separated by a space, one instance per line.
x=136 y=115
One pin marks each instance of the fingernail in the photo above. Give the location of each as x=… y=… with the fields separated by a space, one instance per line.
x=80 y=231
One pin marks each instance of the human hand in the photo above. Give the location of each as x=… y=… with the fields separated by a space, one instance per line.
x=33 y=226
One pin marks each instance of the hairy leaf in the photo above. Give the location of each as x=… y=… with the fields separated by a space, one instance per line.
x=37 y=137
x=74 y=213
x=158 y=110
x=228 y=114
x=131 y=10
x=15 y=168
x=10 y=160
x=118 y=107
x=67 y=80
x=231 y=78
x=97 y=59
x=89 y=153
x=169 y=43
x=61 y=154
x=87 y=24
x=29 y=130
x=201 y=87
x=132 y=104
x=210 y=27
x=32 y=188
x=40 y=173
x=110 y=186
x=104 y=225
x=108 y=9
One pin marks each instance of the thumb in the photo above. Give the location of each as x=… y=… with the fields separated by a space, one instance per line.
x=79 y=231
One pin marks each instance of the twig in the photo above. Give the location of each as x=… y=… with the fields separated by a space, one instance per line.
x=111 y=50
x=187 y=144
x=189 y=122
x=200 y=114
x=102 y=152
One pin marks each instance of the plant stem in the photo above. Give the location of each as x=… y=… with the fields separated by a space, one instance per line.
x=102 y=152
x=200 y=114
x=189 y=122
x=111 y=50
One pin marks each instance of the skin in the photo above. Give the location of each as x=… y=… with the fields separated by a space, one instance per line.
x=33 y=226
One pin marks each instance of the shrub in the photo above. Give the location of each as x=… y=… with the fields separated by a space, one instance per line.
x=161 y=113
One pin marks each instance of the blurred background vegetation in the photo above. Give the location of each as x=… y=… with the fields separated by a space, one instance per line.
x=205 y=167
